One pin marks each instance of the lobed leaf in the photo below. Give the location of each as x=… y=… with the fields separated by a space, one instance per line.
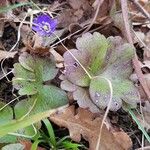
x=109 y=62
x=30 y=78
x=91 y=54
x=6 y=114
x=49 y=97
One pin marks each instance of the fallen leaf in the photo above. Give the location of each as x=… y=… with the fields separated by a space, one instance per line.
x=37 y=44
x=77 y=4
x=5 y=12
x=83 y=124
x=105 y=8
x=6 y=54
x=27 y=145
x=137 y=15
x=78 y=12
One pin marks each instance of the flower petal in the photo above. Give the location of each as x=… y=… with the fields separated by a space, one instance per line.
x=44 y=20
x=44 y=17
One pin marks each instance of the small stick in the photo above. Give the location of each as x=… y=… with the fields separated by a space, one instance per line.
x=100 y=2
x=141 y=8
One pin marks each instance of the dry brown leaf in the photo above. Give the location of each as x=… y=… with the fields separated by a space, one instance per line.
x=105 y=8
x=6 y=15
x=58 y=58
x=4 y=3
x=136 y=13
x=78 y=12
x=77 y=4
x=28 y=145
x=66 y=21
x=84 y=124
x=6 y=54
x=34 y=44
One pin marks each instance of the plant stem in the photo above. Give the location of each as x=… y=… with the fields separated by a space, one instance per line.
x=139 y=124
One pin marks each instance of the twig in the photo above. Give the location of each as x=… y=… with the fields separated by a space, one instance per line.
x=100 y=2
x=144 y=148
x=141 y=9
x=126 y=21
x=129 y=38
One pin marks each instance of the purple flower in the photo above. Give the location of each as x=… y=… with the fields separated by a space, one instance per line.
x=44 y=25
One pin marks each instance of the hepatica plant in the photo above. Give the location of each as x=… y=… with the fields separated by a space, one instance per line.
x=31 y=76
x=44 y=25
x=108 y=62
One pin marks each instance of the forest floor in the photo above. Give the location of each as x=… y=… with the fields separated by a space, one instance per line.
x=84 y=65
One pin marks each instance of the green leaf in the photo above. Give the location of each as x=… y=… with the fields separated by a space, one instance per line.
x=118 y=62
x=122 y=90
x=140 y=126
x=35 y=144
x=43 y=67
x=96 y=45
x=51 y=133
x=91 y=54
x=6 y=114
x=74 y=71
x=30 y=78
x=8 y=139
x=118 y=67
x=70 y=145
x=109 y=62
x=49 y=97
x=15 y=125
x=24 y=80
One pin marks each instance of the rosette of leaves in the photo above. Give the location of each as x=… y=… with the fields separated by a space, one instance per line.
x=103 y=66
x=33 y=75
